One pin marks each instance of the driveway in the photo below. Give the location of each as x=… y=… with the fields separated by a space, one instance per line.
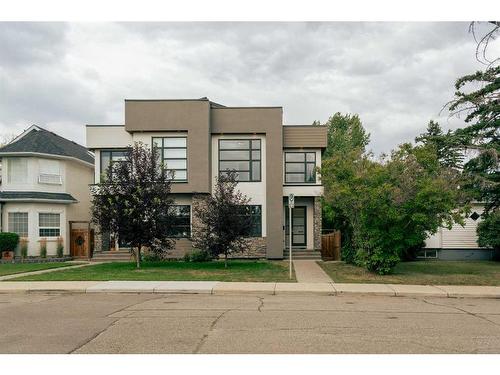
x=147 y=323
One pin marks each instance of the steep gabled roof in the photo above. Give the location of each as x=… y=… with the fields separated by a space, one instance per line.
x=39 y=140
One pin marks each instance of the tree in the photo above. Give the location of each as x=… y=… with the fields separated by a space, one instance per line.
x=390 y=206
x=345 y=133
x=488 y=231
x=223 y=220
x=448 y=152
x=134 y=202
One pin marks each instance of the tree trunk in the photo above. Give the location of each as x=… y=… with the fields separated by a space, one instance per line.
x=138 y=256
x=225 y=260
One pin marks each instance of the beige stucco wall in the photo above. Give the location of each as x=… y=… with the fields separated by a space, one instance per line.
x=191 y=116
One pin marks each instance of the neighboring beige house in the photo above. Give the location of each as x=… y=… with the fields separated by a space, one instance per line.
x=44 y=187
x=459 y=242
x=200 y=139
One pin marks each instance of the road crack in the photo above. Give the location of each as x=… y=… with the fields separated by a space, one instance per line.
x=210 y=329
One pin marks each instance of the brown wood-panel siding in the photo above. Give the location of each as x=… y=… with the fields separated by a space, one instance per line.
x=305 y=136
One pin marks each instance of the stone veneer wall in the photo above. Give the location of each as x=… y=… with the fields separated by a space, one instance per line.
x=317 y=223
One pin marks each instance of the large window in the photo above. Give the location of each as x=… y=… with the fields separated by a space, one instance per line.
x=172 y=152
x=181 y=227
x=255 y=211
x=18 y=223
x=109 y=157
x=49 y=225
x=17 y=170
x=241 y=155
x=300 y=167
x=50 y=172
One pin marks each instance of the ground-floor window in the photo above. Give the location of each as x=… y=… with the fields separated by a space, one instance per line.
x=18 y=223
x=427 y=253
x=49 y=225
x=255 y=211
x=181 y=227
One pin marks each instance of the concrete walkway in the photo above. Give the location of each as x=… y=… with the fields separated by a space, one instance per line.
x=308 y=271
x=240 y=288
x=77 y=265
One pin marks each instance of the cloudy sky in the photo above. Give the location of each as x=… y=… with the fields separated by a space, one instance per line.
x=396 y=76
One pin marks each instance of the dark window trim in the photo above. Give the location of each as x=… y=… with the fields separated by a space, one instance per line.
x=258 y=232
x=163 y=158
x=110 y=158
x=305 y=163
x=287 y=226
x=190 y=221
x=250 y=159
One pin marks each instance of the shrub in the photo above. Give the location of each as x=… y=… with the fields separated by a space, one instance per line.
x=488 y=231
x=8 y=241
x=43 y=248
x=23 y=245
x=60 y=247
x=197 y=256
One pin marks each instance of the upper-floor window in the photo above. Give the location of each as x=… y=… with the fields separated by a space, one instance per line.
x=18 y=223
x=241 y=155
x=300 y=167
x=17 y=171
x=49 y=172
x=109 y=157
x=172 y=152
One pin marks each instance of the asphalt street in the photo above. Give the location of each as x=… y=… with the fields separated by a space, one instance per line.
x=147 y=323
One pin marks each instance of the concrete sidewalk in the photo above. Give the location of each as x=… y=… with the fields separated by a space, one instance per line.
x=308 y=271
x=215 y=287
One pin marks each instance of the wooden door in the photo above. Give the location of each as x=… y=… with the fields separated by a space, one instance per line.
x=79 y=243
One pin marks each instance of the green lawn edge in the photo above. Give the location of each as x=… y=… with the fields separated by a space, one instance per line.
x=16 y=268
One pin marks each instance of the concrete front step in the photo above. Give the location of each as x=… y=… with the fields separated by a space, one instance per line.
x=303 y=254
x=113 y=256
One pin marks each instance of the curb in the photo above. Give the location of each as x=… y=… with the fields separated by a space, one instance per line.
x=239 y=288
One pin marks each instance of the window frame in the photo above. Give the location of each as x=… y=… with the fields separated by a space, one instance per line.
x=180 y=226
x=250 y=160
x=110 y=151
x=11 y=172
x=256 y=233
x=162 y=158
x=304 y=163
x=45 y=227
x=10 y=224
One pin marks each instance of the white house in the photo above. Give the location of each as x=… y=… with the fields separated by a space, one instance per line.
x=45 y=187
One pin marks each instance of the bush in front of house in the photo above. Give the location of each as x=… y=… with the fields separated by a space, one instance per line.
x=8 y=241
x=197 y=256
x=43 y=248
x=23 y=246
x=60 y=247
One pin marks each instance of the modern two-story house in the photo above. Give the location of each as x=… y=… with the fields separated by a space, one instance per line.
x=44 y=191
x=201 y=140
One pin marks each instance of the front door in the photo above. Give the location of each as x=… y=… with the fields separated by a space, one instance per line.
x=79 y=246
x=299 y=226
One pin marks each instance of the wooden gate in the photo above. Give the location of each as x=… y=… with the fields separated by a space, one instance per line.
x=80 y=243
x=330 y=246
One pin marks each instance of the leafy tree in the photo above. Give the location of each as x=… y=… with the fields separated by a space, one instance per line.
x=488 y=231
x=448 y=152
x=223 y=221
x=345 y=133
x=135 y=203
x=390 y=206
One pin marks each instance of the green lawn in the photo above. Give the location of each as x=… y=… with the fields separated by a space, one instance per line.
x=12 y=268
x=238 y=270
x=420 y=273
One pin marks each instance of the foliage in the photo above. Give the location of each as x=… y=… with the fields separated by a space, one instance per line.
x=388 y=207
x=43 y=248
x=197 y=256
x=223 y=223
x=60 y=247
x=23 y=246
x=345 y=133
x=136 y=203
x=8 y=241
x=488 y=231
x=481 y=135
x=447 y=151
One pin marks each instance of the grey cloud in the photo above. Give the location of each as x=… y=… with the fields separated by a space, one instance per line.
x=396 y=76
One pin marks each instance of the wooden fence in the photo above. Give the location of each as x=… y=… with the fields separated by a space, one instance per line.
x=330 y=246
